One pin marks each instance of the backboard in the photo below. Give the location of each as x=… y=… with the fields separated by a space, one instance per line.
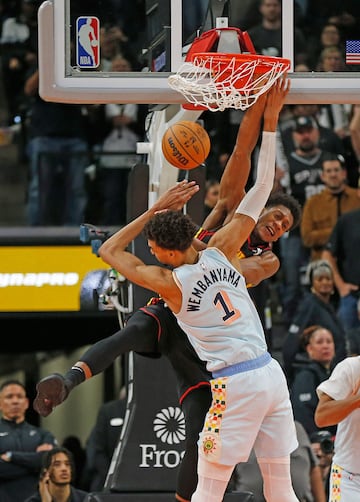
x=159 y=33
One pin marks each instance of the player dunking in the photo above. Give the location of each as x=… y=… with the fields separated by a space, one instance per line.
x=154 y=330
x=207 y=293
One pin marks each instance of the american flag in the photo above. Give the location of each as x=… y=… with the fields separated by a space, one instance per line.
x=352 y=52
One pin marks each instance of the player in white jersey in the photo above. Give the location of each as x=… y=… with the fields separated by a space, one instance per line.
x=251 y=405
x=339 y=403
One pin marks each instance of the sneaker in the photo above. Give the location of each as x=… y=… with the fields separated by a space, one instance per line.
x=51 y=391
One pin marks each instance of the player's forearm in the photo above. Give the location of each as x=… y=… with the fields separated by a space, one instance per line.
x=123 y=237
x=338 y=280
x=112 y=251
x=249 y=128
x=257 y=268
x=332 y=412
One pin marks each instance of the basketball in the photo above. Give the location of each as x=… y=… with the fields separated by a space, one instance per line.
x=185 y=144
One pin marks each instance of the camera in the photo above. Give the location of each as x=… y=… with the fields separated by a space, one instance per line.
x=325 y=440
x=94 y=236
x=327 y=445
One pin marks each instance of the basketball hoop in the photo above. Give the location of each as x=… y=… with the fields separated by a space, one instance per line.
x=215 y=81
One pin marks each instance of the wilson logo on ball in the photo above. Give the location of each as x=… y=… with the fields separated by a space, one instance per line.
x=186 y=144
x=176 y=155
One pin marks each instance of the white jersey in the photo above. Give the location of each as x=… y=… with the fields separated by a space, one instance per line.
x=217 y=312
x=345 y=380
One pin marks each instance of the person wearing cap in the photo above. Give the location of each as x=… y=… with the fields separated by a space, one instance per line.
x=321 y=210
x=339 y=403
x=315 y=308
x=304 y=168
x=322 y=444
x=328 y=139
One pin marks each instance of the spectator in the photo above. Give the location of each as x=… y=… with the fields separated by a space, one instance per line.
x=353 y=341
x=58 y=155
x=330 y=35
x=322 y=444
x=18 y=54
x=211 y=195
x=113 y=43
x=119 y=148
x=335 y=116
x=321 y=211
x=103 y=439
x=354 y=128
x=346 y=16
x=73 y=444
x=328 y=140
x=333 y=122
x=331 y=59
x=315 y=308
x=305 y=473
x=130 y=18
x=245 y=14
x=339 y=404
x=58 y=471
x=304 y=168
x=267 y=35
x=343 y=14
x=342 y=253
x=22 y=445
x=320 y=348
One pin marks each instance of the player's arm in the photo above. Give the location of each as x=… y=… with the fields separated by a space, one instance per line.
x=113 y=251
x=232 y=236
x=237 y=169
x=330 y=411
x=257 y=268
x=344 y=288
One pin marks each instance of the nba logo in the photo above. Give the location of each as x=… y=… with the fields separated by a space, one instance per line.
x=87 y=42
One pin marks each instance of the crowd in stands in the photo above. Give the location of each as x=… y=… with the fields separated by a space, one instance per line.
x=317 y=162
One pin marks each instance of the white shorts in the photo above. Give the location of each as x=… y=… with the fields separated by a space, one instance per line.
x=344 y=486
x=249 y=409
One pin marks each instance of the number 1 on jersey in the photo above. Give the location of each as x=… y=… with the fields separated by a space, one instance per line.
x=222 y=301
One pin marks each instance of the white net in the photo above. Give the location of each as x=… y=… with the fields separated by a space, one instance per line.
x=218 y=81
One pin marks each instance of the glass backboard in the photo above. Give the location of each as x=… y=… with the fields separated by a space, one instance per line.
x=76 y=39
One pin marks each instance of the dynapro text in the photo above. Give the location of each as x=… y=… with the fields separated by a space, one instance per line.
x=151 y=457
x=39 y=279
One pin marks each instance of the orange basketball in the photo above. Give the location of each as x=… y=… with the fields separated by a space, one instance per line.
x=186 y=144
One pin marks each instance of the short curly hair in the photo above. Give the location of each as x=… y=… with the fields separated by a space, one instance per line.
x=284 y=199
x=171 y=230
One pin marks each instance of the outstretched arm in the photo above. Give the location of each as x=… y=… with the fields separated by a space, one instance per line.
x=237 y=169
x=232 y=236
x=113 y=251
x=330 y=411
